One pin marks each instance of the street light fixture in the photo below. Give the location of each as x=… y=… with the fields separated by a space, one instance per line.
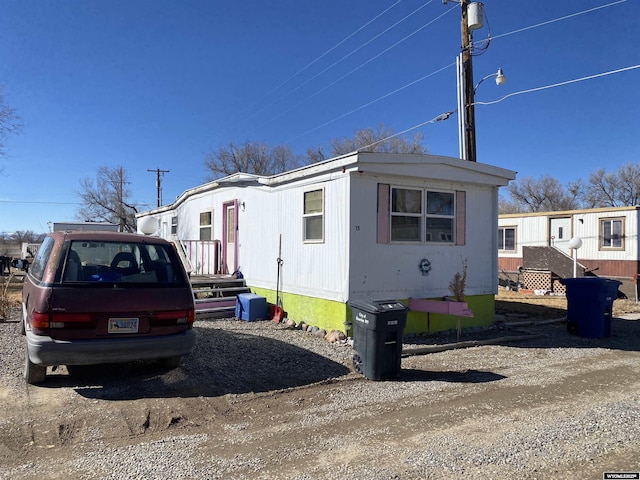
x=500 y=79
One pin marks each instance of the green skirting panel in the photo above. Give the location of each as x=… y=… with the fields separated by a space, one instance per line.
x=331 y=315
x=326 y=314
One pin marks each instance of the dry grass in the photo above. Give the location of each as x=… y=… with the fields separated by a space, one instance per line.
x=548 y=306
x=10 y=295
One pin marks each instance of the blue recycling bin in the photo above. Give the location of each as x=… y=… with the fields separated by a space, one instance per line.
x=590 y=305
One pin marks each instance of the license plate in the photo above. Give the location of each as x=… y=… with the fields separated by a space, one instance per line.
x=123 y=325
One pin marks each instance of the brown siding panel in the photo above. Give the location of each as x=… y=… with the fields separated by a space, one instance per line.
x=612 y=268
x=509 y=264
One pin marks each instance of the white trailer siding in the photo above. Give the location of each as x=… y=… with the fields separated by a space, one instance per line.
x=274 y=221
x=537 y=229
x=318 y=278
x=393 y=270
x=589 y=230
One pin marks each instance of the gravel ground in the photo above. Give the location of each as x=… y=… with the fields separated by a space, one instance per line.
x=256 y=400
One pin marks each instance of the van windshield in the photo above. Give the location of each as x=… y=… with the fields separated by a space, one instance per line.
x=95 y=261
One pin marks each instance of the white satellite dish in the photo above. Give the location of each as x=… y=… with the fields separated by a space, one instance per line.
x=148 y=225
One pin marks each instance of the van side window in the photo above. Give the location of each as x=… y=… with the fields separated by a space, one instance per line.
x=42 y=257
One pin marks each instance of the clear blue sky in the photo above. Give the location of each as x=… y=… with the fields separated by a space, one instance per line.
x=148 y=84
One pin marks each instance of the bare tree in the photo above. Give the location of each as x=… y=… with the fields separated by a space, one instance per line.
x=614 y=189
x=541 y=195
x=109 y=199
x=315 y=155
x=9 y=123
x=26 y=236
x=508 y=206
x=250 y=157
x=382 y=139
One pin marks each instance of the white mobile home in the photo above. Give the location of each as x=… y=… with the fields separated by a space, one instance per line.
x=609 y=240
x=359 y=226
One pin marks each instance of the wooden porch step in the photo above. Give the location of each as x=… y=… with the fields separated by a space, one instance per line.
x=215 y=295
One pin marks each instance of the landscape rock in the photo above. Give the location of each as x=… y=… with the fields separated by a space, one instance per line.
x=335 y=336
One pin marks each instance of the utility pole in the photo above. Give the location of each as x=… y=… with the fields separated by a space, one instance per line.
x=159 y=174
x=121 y=200
x=468 y=88
x=472 y=19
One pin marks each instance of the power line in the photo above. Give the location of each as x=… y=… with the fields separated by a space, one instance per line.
x=358 y=67
x=557 y=19
x=559 y=84
x=317 y=59
x=426 y=76
x=439 y=118
x=36 y=202
x=446 y=115
x=382 y=97
x=339 y=61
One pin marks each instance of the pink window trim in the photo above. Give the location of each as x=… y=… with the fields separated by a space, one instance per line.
x=461 y=217
x=384 y=234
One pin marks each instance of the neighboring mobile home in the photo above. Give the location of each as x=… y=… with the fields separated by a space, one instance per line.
x=360 y=226
x=609 y=241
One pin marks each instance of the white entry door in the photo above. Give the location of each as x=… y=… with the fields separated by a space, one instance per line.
x=560 y=229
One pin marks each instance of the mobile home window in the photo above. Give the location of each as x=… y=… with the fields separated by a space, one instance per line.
x=507 y=239
x=440 y=216
x=174 y=225
x=422 y=215
x=206 y=225
x=406 y=215
x=612 y=233
x=313 y=216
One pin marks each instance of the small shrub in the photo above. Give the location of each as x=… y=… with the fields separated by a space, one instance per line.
x=458 y=284
x=456 y=287
x=6 y=302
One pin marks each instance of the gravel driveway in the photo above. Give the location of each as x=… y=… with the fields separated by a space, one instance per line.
x=256 y=400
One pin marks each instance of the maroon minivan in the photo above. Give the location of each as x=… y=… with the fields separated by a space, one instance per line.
x=105 y=297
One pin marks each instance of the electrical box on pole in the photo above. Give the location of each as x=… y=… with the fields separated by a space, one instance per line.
x=475 y=15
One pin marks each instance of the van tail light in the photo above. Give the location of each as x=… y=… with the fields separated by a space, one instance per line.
x=178 y=316
x=42 y=321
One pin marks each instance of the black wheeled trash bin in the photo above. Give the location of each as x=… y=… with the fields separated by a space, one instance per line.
x=378 y=328
x=590 y=305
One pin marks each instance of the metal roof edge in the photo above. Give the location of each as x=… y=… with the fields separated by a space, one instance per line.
x=341 y=162
x=415 y=158
x=556 y=213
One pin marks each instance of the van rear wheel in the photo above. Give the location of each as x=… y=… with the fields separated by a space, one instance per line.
x=33 y=373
